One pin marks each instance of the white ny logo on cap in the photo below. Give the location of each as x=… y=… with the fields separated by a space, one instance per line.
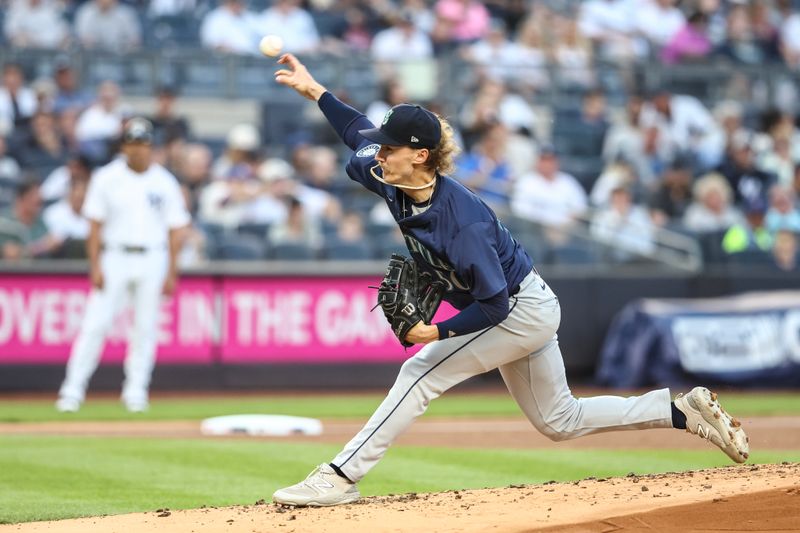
x=414 y=139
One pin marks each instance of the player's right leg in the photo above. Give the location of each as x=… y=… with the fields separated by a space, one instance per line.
x=101 y=307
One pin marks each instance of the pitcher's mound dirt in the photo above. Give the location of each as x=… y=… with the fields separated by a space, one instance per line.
x=736 y=498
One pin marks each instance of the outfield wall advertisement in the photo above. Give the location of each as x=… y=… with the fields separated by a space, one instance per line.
x=749 y=338
x=209 y=319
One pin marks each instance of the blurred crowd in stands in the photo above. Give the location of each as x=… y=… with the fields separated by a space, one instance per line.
x=617 y=170
x=513 y=31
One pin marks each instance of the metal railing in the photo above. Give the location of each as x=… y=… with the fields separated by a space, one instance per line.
x=200 y=72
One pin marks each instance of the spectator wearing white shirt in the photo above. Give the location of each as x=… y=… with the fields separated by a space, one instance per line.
x=401 y=42
x=9 y=168
x=782 y=214
x=422 y=15
x=625 y=227
x=18 y=103
x=230 y=28
x=503 y=60
x=610 y=24
x=685 y=123
x=790 y=34
x=659 y=20
x=492 y=103
x=298 y=228
x=317 y=203
x=64 y=219
x=57 y=184
x=241 y=154
x=27 y=18
x=167 y=8
x=547 y=195
x=109 y=26
x=286 y=19
x=712 y=208
x=102 y=121
x=629 y=140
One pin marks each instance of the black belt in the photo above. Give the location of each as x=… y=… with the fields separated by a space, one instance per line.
x=514 y=290
x=127 y=249
x=134 y=249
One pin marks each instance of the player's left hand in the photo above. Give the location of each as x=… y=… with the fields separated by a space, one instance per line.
x=422 y=333
x=170 y=282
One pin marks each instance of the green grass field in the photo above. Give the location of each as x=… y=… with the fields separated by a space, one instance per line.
x=51 y=477
x=332 y=406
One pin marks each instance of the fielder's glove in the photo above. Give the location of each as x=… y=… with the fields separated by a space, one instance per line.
x=408 y=297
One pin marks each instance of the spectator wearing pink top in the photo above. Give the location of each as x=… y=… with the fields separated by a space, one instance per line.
x=690 y=43
x=463 y=21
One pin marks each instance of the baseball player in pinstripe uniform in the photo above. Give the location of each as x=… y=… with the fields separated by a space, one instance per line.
x=136 y=212
x=508 y=316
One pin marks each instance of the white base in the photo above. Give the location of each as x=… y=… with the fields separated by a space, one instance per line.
x=261 y=425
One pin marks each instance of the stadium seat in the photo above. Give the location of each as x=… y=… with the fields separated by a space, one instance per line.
x=290 y=251
x=279 y=120
x=72 y=249
x=8 y=191
x=204 y=78
x=383 y=248
x=347 y=250
x=572 y=254
x=241 y=247
x=379 y=231
x=255 y=229
x=585 y=169
x=750 y=258
x=172 y=31
x=328 y=228
x=711 y=247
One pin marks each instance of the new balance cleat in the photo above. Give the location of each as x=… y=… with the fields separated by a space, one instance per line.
x=323 y=487
x=706 y=417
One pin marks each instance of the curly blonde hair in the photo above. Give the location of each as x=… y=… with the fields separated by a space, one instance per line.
x=442 y=158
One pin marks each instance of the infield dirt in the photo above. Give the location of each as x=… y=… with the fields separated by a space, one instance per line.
x=736 y=498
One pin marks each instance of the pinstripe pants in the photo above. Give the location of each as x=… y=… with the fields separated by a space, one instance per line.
x=525 y=348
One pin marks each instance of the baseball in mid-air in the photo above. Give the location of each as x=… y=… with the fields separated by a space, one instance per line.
x=270 y=45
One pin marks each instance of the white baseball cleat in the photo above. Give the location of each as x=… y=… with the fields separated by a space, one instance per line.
x=322 y=487
x=706 y=417
x=136 y=406
x=67 y=405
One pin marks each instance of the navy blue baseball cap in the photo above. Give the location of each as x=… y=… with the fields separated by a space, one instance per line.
x=407 y=125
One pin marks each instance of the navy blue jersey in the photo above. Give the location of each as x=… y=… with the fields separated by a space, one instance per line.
x=457 y=239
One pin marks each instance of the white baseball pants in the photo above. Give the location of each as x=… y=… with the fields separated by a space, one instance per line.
x=135 y=278
x=525 y=348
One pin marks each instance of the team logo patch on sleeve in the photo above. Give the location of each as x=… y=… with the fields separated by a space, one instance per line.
x=369 y=150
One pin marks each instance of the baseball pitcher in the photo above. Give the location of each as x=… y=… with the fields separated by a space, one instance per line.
x=508 y=315
x=136 y=213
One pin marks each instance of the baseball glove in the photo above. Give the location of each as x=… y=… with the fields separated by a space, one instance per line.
x=407 y=296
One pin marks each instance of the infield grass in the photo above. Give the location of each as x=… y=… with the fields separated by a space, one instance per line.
x=335 y=406
x=45 y=478
x=54 y=477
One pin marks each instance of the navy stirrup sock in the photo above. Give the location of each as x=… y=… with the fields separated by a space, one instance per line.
x=678 y=418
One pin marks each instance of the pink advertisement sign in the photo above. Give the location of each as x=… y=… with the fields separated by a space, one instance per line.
x=307 y=320
x=40 y=316
x=210 y=319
